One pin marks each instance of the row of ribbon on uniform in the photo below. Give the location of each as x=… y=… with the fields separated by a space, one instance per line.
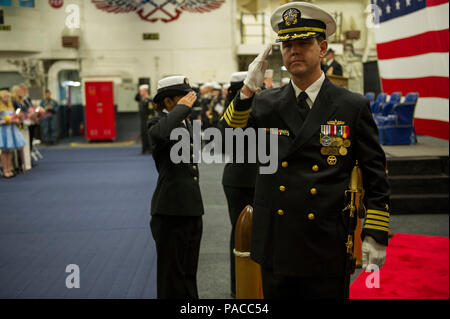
x=334 y=141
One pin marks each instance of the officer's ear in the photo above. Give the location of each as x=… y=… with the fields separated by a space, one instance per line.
x=168 y=103
x=323 y=48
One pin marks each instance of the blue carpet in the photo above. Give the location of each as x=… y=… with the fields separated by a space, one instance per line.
x=89 y=207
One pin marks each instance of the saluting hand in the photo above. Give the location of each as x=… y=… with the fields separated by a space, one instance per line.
x=188 y=99
x=257 y=69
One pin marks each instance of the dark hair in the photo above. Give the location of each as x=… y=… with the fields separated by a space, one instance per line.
x=320 y=38
x=159 y=106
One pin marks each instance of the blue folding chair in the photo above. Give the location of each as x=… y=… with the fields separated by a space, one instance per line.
x=375 y=107
x=393 y=101
x=397 y=128
x=386 y=109
x=370 y=96
x=411 y=97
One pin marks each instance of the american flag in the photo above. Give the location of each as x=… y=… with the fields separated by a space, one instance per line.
x=412 y=46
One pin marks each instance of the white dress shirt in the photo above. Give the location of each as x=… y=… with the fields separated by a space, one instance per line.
x=312 y=90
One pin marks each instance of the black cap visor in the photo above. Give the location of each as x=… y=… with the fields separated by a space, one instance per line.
x=171 y=91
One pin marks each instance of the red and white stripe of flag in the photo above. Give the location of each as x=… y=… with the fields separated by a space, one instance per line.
x=413 y=56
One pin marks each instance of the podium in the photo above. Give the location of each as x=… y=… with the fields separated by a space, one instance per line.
x=339 y=80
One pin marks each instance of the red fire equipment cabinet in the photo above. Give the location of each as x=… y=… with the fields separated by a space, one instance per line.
x=100 y=115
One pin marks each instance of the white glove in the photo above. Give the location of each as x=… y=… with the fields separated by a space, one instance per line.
x=257 y=69
x=372 y=252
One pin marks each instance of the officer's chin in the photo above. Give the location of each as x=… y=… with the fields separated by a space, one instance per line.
x=298 y=69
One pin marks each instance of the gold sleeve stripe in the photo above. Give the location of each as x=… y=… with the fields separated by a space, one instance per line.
x=226 y=119
x=233 y=123
x=371 y=216
x=236 y=118
x=240 y=117
x=376 y=227
x=240 y=113
x=375 y=222
x=245 y=112
x=239 y=121
x=226 y=116
x=229 y=113
x=377 y=212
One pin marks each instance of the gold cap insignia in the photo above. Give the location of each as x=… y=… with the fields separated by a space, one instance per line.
x=290 y=16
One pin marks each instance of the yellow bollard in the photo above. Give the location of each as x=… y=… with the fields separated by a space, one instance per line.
x=248 y=272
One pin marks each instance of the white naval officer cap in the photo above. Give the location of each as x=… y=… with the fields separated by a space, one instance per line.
x=172 y=86
x=144 y=87
x=301 y=20
x=238 y=77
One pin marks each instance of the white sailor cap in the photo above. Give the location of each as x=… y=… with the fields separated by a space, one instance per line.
x=217 y=86
x=238 y=77
x=301 y=20
x=268 y=73
x=172 y=86
x=143 y=87
x=285 y=80
x=207 y=85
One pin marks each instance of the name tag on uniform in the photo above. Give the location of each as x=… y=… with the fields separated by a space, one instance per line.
x=275 y=131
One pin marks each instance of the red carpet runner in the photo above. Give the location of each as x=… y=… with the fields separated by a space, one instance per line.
x=417 y=267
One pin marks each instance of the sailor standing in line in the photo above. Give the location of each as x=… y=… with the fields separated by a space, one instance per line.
x=238 y=181
x=331 y=66
x=146 y=112
x=177 y=206
x=299 y=232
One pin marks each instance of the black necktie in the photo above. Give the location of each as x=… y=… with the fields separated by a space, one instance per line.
x=303 y=107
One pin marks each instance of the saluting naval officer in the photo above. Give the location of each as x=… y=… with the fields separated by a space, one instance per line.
x=299 y=233
x=177 y=206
